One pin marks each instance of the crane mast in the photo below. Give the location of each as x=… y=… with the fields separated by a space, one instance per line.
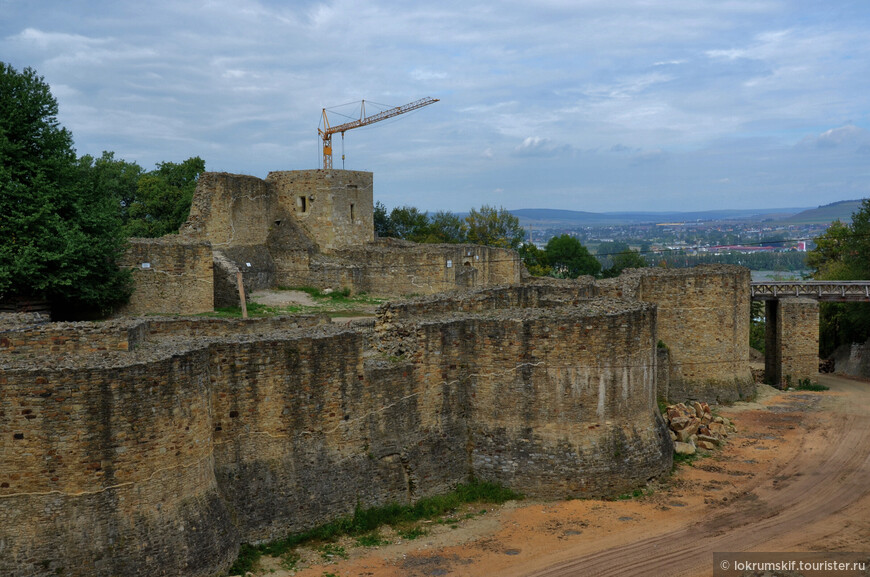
x=327 y=131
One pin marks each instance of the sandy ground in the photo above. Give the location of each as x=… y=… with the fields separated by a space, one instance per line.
x=794 y=477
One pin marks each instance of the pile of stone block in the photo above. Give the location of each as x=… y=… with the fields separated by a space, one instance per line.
x=692 y=426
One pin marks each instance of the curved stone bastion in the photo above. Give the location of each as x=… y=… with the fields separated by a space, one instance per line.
x=155 y=447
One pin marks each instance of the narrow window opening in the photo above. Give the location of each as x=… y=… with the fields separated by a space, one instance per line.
x=302 y=203
x=351 y=212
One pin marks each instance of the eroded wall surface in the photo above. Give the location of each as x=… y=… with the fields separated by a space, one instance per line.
x=171 y=275
x=161 y=458
x=791 y=340
x=703 y=319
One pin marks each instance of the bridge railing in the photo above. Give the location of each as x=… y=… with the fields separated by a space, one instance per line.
x=858 y=290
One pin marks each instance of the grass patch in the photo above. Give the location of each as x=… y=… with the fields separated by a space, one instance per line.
x=367 y=521
x=254 y=310
x=412 y=533
x=290 y=560
x=633 y=495
x=330 y=551
x=373 y=539
x=684 y=460
x=808 y=385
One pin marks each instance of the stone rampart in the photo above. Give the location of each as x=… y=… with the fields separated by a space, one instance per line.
x=109 y=471
x=163 y=458
x=316 y=228
x=703 y=319
x=171 y=275
x=75 y=338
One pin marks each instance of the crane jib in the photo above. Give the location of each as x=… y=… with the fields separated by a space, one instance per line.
x=327 y=132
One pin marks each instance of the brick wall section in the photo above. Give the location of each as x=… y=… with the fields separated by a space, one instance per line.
x=338 y=205
x=556 y=410
x=178 y=278
x=703 y=318
x=316 y=228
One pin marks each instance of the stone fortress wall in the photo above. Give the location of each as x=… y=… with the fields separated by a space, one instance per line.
x=703 y=322
x=157 y=445
x=163 y=456
x=295 y=228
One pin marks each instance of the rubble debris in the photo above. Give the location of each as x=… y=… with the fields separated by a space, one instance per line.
x=692 y=426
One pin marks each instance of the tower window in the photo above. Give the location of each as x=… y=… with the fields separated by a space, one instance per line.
x=302 y=203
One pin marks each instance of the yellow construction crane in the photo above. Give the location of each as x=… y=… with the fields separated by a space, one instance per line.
x=327 y=131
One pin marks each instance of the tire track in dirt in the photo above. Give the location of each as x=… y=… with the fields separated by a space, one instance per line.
x=827 y=475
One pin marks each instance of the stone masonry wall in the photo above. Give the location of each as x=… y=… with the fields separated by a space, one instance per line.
x=231 y=210
x=396 y=267
x=703 y=318
x=797 y=341
x=163 y=458
x=77 y=338
x=335 y=207
x=109 y=471
x=171 y=274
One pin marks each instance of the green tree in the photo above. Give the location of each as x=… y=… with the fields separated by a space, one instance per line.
x=383 y=225
x=622 y=260
x=444 y=226
x=61 y=236
x=843 y=253
x=829 y=260
x=163 y=198
x=494 y=227
x=570 y=258
x=409 y=223
x=757 y=326
x=115 y=178
x=535 y=259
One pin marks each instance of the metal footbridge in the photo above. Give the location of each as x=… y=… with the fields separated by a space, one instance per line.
x=820 y=290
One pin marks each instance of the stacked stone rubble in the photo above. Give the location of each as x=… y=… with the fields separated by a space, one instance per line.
x=692 y=426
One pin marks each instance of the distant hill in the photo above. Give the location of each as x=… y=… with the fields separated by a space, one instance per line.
x=825 y=214
x=553 y=217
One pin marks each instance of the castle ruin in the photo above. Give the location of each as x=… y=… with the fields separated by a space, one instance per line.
x=156 y=445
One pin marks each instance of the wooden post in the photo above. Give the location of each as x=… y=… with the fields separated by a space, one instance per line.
x=242 y=294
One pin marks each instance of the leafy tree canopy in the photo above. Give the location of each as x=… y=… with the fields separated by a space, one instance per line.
x=409 y=223
x=61 y=236
x=622 y=260
x=843 y=253
x=162 y=198
x=569 y=258
x=494 y=227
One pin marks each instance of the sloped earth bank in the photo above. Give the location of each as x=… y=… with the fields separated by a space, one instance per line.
x=794 y=477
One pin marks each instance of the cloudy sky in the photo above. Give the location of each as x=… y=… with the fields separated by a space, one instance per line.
x=599 y=105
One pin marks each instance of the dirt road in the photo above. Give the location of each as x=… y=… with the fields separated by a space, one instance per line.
x=795 y=477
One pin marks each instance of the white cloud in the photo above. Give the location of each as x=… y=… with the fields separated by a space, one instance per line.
x=537 y=146
x=242 y=82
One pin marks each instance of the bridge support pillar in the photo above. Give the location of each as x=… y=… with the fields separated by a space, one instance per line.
x=791 y=341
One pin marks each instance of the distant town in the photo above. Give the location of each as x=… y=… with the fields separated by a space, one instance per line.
x=772 y=242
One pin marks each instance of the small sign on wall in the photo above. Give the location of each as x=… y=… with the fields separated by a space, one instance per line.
x=449 y=263
x=146 y=265
x=249 y=264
